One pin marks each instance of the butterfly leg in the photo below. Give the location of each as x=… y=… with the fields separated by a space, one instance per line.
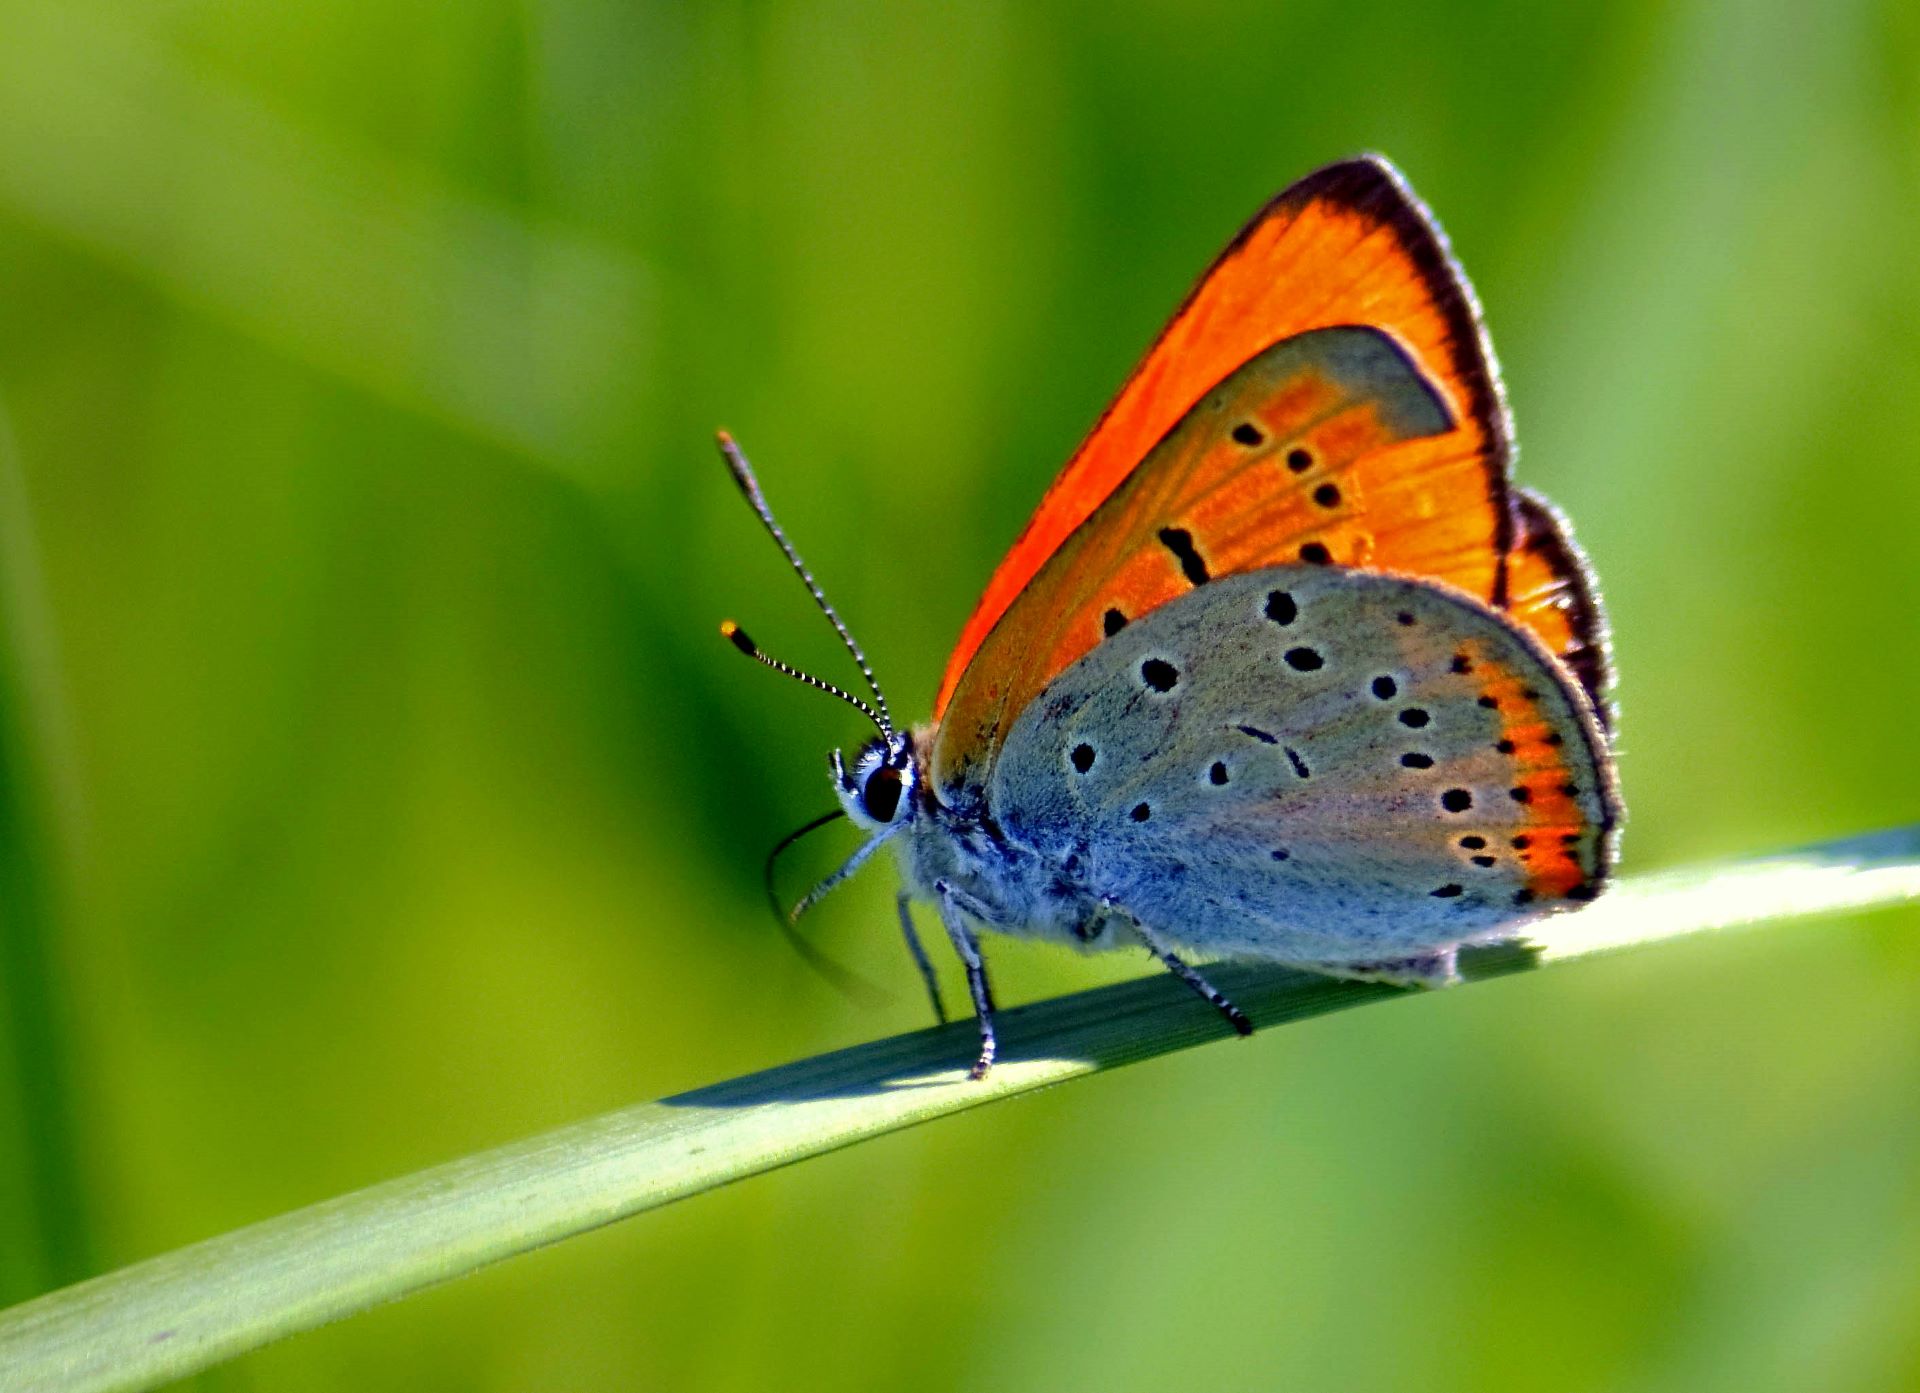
x=1180 y=968
x=920 y=959
x=968 y=947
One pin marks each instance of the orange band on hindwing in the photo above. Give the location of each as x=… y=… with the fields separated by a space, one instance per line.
x=1564 y=827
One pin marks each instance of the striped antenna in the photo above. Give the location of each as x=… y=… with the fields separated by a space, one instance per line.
x=749 y=486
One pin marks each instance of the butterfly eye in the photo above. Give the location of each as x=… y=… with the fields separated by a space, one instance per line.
x=881 y=796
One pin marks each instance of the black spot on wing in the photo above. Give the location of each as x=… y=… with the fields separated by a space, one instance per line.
x=1159 y=674
x=1179 y=541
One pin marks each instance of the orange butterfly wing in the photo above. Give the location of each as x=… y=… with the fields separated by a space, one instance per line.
x=1330 y=446
x=1550 y=590
x=1347 y=246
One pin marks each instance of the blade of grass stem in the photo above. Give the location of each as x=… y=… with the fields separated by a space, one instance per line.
x=172 y=1315
x=42 y=1208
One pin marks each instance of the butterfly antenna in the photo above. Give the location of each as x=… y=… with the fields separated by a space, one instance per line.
x=841 y=978
x=750 y=486
x=737 y=636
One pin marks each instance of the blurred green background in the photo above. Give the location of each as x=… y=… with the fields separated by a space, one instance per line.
x=374 y=787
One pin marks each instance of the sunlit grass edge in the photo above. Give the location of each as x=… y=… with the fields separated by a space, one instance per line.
x=172 y=1315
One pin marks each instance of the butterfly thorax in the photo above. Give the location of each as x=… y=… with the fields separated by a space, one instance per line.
x=960 y=852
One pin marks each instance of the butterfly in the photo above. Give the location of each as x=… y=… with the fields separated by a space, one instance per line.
x=1284 y=667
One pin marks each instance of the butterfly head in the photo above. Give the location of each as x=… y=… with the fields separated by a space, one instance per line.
x=877 y=787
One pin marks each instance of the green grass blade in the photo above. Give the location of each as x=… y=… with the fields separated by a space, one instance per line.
x=175 y=1314
x=43 y=1211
